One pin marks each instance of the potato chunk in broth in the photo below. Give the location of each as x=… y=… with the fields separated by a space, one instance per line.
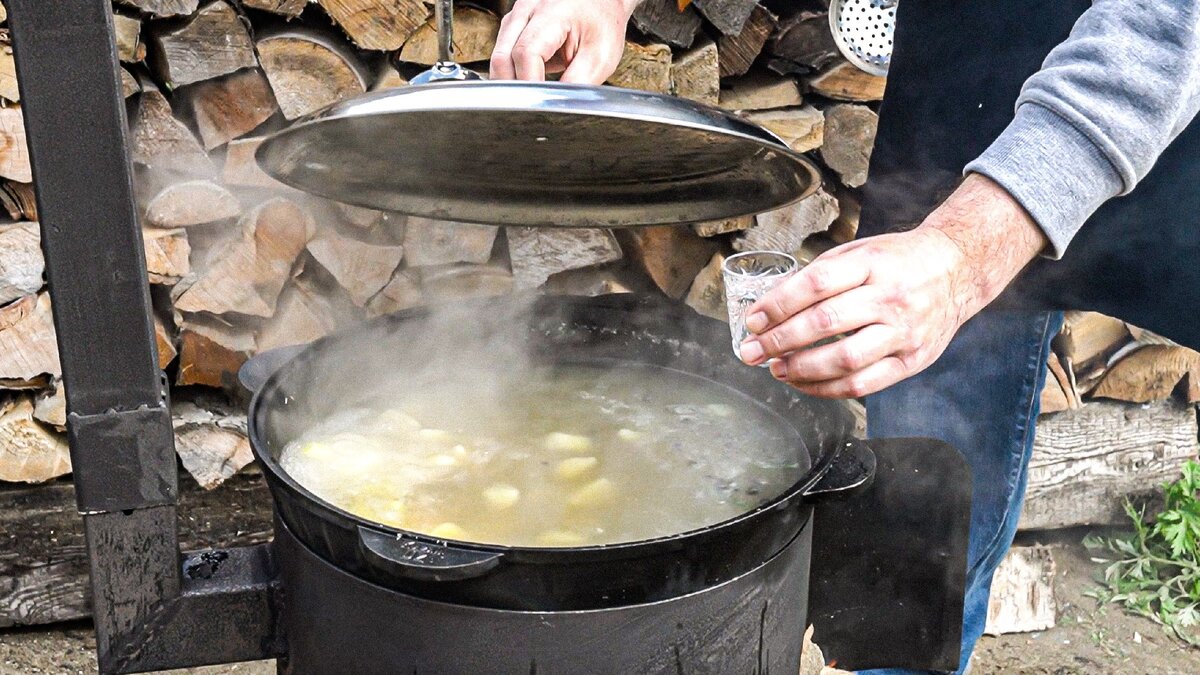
x=576 y=456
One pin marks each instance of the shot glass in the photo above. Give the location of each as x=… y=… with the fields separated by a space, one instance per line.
x=748 y=276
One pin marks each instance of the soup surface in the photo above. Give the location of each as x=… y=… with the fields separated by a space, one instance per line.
x=575 y=456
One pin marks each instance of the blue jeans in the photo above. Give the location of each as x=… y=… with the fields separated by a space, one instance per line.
x=981 y=396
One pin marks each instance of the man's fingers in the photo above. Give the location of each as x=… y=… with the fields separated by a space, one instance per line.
x=511 y=27
x=591 y=66
x=818 y=281
x=840 y=314
x=538 y=44
x=874 y=378
x=839 y=359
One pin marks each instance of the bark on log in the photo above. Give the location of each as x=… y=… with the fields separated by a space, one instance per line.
x=14 y=152
x=377 y=24
x=696 y=74
x=802 y=128
x=738 y=52
x=1022 y=597
x=289 y=8
x=1152 y=373
x=249 y=273
x=727 y=16
x=28 y=351
x=213 y=42
x=21 y=263
x=845 y=82
x=229 y=107
x=786 y=229
x=849 y=139
x=44 y=579
x=760 y=91
x=164 y=8
x=190 y=203
x=539 y=253
x=1087 y=461
x=308 y=71
x=475 y=31
x=805 y=40
x=719 y=227
x=644 y=67
x=360 y=268
x=211 y=351
x=167 y=255
x=671 y=256
x=707 y=294
x=29 y=452
x=662 y=19
x=434 y=242
x=128 y=34
x=163 y=144
x=210 y=441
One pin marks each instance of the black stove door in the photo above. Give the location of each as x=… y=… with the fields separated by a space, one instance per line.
x=889 y=563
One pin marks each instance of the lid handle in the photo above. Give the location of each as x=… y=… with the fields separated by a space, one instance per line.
x=445 y=68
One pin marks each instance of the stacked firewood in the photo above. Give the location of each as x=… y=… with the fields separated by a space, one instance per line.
x=240 y=263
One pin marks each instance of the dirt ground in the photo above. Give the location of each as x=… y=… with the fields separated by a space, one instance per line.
x=1087 y=640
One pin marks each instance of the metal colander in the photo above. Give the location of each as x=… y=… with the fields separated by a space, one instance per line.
x=862 y=30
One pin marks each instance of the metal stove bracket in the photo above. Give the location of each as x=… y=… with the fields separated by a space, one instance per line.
x=148 y=612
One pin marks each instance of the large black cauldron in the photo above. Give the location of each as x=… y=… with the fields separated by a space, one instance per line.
x=727 y=598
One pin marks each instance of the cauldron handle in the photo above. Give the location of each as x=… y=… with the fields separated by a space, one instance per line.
x=851 y=471
x=254 y=372
x=410 y=558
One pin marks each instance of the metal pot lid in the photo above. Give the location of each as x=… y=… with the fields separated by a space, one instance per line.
x=543 y=154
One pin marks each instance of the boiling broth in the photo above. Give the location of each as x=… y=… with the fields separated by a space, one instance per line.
x=576 y=456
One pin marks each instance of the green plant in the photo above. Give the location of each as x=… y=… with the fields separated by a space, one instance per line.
x=1156 y=569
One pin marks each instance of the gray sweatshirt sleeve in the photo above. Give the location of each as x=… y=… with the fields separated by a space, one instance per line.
x=1091 y=123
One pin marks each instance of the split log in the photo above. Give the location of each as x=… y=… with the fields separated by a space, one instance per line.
x=401 y=292
x=211 y=351
x=718 y=227
x=1152 y=373
x=164 y=8
x=357 y=216
x=813 y=247
x=28 y=351
x=475 y=31
x=360 y=268
x=377 y=24
x=644 y=67
x=707 y=294
x=1087 y=461
x=738 y=52
x=664 y=20
x=289 y=8
x=388 y=78
x=1146 y=337
x=249 y=273
x=845 y=228
x=44 y=579
x=211 y=442
x=14 y=153
x=1054 y=396
x=802 y=128
x=229 y=107
x=435 y=242
x=592 y=282
x=213 y=42
x=21 y=262
x=129 y=84
x=786 y=229
x=128 y=33
x=51 y=408
x=308 y=71
x=672 y=256
x=3 y=13
x=163 y=144
x=1022 y=597
x=29 y=452
x=1087 y=339
x=459 y=282
x=812 y=661
x=760 y=91
x=190 y=203
x=1065 y=380
x=538 y=253
x=167 y=254
x=804 y=39
x=845 y=82
x=164 y=342
x=696 y=74
x=727 y=16
x=849 y=139
x=23 y=197
x=307 y=310
x=10 y=90
x=242 y=170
